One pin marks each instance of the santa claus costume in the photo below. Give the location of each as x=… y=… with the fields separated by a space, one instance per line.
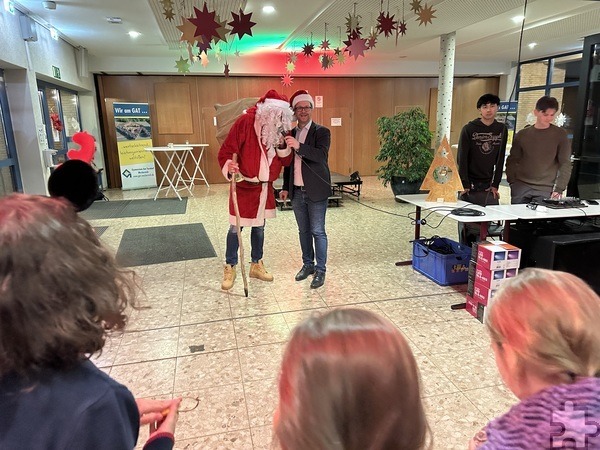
x=255 y=138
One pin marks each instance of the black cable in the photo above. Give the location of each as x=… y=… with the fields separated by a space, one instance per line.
x=519 y=53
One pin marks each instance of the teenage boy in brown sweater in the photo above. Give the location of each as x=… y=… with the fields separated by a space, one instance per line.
x=539 y=164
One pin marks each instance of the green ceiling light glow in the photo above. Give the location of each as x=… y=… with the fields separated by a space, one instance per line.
x=256 y=43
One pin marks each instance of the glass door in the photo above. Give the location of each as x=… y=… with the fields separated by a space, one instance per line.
x=585 y=181
x=60 y=112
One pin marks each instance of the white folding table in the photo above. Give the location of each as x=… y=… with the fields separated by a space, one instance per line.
x=176 y=156
x=197 y=160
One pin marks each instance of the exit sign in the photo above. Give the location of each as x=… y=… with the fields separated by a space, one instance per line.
x=56 y=72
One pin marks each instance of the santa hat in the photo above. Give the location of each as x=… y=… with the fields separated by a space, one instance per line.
x=275 y=99
x=301 y=96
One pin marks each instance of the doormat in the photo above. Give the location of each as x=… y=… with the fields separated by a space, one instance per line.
x=156 y=245
x=117 y=209
x=100 y=230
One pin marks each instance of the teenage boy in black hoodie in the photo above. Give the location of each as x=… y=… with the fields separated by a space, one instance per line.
x=481 y=151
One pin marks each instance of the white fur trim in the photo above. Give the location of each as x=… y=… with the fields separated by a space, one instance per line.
x=303 y=98
x=225 y=171
x=277 y=103
x=285 y=152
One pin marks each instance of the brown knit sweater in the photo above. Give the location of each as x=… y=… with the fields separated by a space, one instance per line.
x=541 y=158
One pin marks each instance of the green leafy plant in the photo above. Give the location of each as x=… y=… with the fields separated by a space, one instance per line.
x=405 y=146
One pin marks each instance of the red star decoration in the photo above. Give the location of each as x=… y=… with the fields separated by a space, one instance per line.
x=337 y=51
x=386 y=24
x=241 y=24
x=372 y=41
x=206 y=25
x=325 y=44
x=357 y=47
x=401 y=28
x=226 y=71
x=308 y=49
x=287 y=80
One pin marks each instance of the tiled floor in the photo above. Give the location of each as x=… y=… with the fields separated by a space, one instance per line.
x=234 y=378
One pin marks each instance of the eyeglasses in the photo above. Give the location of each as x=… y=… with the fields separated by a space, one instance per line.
x=302 y=108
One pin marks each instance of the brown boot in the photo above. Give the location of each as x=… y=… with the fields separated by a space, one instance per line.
x=257 y=270
x=228 y=277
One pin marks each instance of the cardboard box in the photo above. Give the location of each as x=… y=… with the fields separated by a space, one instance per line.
x=471 y=306
x=481 y=312
x=471 y=277
x=490 y=256
x=513 y=255
x=483 y=294
x=491 y=279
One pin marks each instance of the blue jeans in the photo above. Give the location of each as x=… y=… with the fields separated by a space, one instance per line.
x=257 y=240
x=310 y=217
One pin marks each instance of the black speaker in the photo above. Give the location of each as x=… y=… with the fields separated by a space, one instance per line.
x=574 y=253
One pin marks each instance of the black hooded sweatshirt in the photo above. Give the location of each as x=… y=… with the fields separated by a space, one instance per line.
x=480 y=149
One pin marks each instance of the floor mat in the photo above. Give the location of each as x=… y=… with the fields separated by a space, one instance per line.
x=116 y=209
x=155 y=245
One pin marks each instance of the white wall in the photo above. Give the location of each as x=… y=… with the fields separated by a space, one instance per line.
x=24 y=63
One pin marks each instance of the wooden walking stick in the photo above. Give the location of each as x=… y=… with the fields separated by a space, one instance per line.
x=239 y=228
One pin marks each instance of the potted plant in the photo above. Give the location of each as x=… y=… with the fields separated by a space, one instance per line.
x=405 y=150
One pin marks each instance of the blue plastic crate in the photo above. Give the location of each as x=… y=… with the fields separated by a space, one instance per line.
x=444 y=269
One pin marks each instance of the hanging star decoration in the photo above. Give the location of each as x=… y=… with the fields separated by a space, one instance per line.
x=425 y=15
x=341 y=59
x=203 y=46
x=237 y=53
x=169 y=14
x=188 y=31
x=290 y=66
x=287 y=80
x=357 y=47
x=326 y=61
x=204 y=59
x=167 y=4
x=415 y=6
x=293 y=57
x=372 y=40
x=386 y=25
x=241 y=24
x=226 y=70
x=325 y=45
x=337 y=51
x=308 y=49
x=218 y=54
x=182 y=65
x=401 y=28
x=206 y=25
x=221 y=31
x=352 y=23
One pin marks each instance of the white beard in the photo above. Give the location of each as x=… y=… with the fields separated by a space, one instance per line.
x=273 y=123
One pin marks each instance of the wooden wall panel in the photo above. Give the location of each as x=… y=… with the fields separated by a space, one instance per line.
x=357 y=101
x=173 y=108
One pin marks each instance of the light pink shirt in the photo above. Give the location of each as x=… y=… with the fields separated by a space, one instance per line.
x=300 y=137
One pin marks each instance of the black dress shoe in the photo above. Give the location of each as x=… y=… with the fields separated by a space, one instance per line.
x=305 y=272
x=318 y=280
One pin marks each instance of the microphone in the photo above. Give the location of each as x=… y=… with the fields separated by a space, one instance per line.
x=283 y=145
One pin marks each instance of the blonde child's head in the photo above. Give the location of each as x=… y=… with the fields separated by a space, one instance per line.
x=545 y=325
x=349 y=381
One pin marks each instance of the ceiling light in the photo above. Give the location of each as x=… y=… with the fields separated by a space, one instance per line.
x=268 y=9
x=114 y=20
x=518 y=19
x=49 y=5
x=134 y=34
x=9 y=6
x=532 y=45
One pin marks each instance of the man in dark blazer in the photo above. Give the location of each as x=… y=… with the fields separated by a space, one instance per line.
x=307 y=183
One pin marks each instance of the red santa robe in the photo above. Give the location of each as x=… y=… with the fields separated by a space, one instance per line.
x=258 y=165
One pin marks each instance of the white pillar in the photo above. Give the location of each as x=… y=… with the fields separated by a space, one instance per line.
x=445 y=85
